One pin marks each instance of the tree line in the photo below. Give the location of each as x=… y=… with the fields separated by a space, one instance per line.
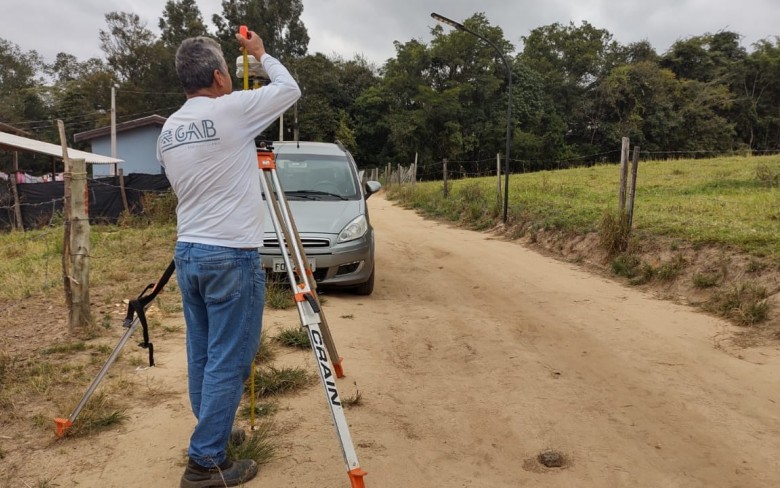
x=576 y=90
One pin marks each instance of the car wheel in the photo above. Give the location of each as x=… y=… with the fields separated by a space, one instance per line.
x=366 y=288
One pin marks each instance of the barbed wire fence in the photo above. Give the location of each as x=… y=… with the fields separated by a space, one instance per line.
x=41 y=204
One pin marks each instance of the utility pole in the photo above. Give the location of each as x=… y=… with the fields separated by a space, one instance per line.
x=113 y=125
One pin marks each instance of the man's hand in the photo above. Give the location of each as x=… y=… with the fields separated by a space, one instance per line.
x=252 y=43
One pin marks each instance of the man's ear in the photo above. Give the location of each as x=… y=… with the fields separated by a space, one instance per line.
x=219 y=78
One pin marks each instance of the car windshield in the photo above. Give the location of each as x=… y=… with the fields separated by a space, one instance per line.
x=321 y=177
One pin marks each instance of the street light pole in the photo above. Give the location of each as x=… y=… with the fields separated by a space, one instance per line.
x=463 y=28
x=113 y=124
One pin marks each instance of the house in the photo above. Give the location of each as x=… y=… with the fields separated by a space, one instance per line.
x=136 y=145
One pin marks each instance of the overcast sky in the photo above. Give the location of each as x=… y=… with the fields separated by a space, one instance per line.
x=369 y=27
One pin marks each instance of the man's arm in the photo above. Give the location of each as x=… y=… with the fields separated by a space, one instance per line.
x=264 y=105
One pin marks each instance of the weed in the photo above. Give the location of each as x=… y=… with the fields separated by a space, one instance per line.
x=670 y=270
x=755 y=266
x=136 y=361
x=265 y=353
x=159 y=208
x=5 y=365
x=767 y=175
x=272 y=381
x=260 y=445
x=261 y=410
x=348 y=316
x=297 y=337
x=706 y=280
x=745 y=303
x=98 y=414
x=354 y=400
x=644 y=274
x=64 y=348
x=626 y=265
x=614 y=233
x=278 y=296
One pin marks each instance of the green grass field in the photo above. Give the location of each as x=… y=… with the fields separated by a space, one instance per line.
x=731 y=201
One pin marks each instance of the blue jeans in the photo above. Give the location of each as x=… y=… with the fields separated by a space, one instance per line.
x=223 y=293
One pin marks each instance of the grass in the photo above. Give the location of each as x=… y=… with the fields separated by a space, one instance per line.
x=271 y=381
x=745 y=303
x=278 y=296
x=296 y=337
x=122 y=261
x=98 y=414
x=262 y=409
x=730 y=201
x=265 y=353
x=260 y=445
x=353 y=400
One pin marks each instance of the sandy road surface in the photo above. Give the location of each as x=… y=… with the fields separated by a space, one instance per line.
x=472 y=356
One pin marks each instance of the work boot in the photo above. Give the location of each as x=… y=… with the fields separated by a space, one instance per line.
x=229 y=473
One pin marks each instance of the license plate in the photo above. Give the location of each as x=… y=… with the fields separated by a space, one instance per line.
x=279 y=266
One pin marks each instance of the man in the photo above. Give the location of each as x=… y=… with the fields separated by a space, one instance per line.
x=207 y=149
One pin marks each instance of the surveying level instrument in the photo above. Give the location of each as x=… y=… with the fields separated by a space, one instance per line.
x=301 y=280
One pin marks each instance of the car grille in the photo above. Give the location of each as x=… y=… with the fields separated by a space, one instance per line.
x=310 y=242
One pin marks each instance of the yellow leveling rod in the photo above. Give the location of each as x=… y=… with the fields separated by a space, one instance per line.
x=244 y=32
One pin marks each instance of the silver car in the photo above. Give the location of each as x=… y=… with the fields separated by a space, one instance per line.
x=328 y=203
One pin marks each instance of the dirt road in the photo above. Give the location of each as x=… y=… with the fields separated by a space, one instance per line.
x=473 y=356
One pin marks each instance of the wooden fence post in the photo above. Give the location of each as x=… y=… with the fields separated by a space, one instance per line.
x=632 y=187
x=446 y=188
x=623 y=174
x=414 y=171
x=79 y=213
x=121 y=173
x=66 y=263
x=19 y=225
x=75 y=265
x=389 y=175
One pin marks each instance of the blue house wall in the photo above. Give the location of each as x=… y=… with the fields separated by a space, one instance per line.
x=137 y=147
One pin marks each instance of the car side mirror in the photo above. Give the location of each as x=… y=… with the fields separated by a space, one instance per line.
x=372 y=187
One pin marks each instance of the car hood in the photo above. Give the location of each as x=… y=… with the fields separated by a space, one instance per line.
x=320 y=217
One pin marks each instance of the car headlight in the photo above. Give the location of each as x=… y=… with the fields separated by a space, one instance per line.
x=354 y=230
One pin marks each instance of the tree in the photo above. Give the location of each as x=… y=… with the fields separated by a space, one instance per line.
x=757 y=86
x=181 y=19
x=143 y=66
x=278 y=22
x=20 y=76
x=571 y=61
x=639 y=101
x=129 y=46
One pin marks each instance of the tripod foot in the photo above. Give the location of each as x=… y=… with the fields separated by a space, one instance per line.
x=62 y=426
x=339 y=369
x=356 y=477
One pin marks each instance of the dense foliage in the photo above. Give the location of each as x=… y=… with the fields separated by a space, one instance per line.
x=576 y=90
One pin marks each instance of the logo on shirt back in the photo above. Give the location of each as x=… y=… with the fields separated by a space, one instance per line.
x=192 y=133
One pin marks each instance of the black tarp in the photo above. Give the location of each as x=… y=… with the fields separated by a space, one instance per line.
x=40 y=202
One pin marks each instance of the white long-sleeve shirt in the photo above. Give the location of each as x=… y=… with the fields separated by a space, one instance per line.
x=208 y=151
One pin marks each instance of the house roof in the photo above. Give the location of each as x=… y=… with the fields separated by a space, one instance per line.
x=18 y=143
x=131 y=124
x=13 y=130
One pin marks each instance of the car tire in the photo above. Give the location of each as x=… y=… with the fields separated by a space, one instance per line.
x=365 y=288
